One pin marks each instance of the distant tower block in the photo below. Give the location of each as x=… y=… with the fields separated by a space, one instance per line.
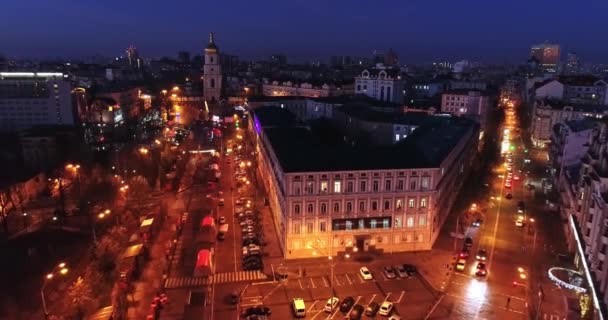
x=212 y=72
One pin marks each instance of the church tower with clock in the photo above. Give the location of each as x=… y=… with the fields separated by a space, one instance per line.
x=212 y=72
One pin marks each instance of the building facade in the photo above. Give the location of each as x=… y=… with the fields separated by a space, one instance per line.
x=333 y=209
x=380 y=83
x=473 y=104
x=547 y=113
x=29 y=99
x=212 y=72
x=289 y=88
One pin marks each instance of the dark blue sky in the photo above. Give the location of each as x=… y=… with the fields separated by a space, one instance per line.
x=419 y=30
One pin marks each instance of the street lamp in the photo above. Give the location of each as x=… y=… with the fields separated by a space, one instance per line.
x=61 y=269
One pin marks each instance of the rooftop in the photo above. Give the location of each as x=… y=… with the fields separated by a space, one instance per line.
x=464 y=91
x=304 y=149
x=364 y=113
x=582 y=80
x=556 y=104
x=582 y=124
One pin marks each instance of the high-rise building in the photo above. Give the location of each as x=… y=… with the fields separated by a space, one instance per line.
x=28 y=99
x=573 y=63
x=212 y=71
x=547 y=55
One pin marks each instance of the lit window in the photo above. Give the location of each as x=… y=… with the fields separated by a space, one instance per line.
x=323 y=186
x=397 y=222
x=361 y=224
x=309 y=188
x=296 y=228
x=424 y=184
x=398 y=204
x=349 y=225
x=396 y=137
x=410 y=222
x=422 y=221
x=386 y=223
x=411 y=203
x=373 y=224
x=337 y=186
x=423 y=202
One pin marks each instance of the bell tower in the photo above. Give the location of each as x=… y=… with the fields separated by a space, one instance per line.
x=212 y=71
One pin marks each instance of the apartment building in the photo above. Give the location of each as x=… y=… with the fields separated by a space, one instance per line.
x=335 y=197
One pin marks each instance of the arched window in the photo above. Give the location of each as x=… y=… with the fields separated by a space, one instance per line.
x=296 y=209
x=323 y=207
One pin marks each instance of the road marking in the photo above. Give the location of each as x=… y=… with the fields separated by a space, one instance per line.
x=400 y=297
x=325 y=282
x=336 y=279
x=351 y=308
x=313 y=284
x=361 y=278
x=312 y=305
x=372 y=299
x=300 y=282
x=318 y=313
x=388 y=294
x=348 y=278
x=335 y=312
x=383 y=276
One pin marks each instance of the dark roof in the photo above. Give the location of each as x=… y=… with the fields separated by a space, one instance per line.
x=464 y=91
x=543 y=83
x=367 y=114
x=274 y=98
x=273 y=116
x=583 y=80
x=300 y=149
x=560 y=104
x=582 y=124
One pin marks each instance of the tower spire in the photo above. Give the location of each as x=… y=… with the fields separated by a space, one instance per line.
x=211 y=38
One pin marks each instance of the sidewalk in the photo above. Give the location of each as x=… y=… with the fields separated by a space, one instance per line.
x=151 y=278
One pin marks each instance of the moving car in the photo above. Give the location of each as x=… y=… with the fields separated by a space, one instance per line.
x=221 y=202
x=464 y=253
x=519 y=222
x=386 y=308
x=481 y=269
x=346 y=304
x=521 y=207
x=461 y=264
x=390 y=272
x=365 y=273
x=481 y=255
x=331 y=304
x=476 y=223
x=468 y=242
x=257 y=310
x=222 y=220
x=372 y=309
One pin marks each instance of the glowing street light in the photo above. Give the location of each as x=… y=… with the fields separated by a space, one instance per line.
x=60 y=269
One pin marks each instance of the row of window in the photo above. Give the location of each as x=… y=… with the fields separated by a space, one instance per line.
x=411 y=221
x=423 y=202
x=350 y=186
x=408 y=237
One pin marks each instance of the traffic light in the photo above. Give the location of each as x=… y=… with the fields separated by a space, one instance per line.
x=236 y=124
x=526 y=151
x=512 y=147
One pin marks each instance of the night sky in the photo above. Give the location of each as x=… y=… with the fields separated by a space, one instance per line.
x=419 y=30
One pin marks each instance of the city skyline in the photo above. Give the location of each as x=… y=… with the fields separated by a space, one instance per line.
x=418 y=31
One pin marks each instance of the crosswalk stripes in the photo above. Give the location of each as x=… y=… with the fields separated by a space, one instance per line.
x=225 y=277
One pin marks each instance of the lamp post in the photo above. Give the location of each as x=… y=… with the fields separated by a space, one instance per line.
x=60 y=269
x=100 y=216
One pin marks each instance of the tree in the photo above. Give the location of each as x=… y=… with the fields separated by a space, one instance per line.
x=6 y=205
x=81 y=297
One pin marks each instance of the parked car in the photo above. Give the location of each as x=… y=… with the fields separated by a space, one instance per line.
x=401 y=271
x=389 y=272
x=372 y=309
x=386 y=308
x=221 y=202
x=331 y=304
x=357 y=312
x=222 y=220
x=365 y=273
x=410 y=269
x=346 y=304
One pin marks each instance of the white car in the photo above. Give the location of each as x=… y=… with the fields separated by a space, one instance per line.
x=386 y=308
x=331 y=304
x=461 y=264
x=221 y=202
x=365 y=273
x=222 y=220
x=519 y=222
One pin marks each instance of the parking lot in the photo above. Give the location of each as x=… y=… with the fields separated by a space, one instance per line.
x=410 y=297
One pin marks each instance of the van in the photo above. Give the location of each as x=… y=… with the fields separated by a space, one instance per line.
x=299 y=309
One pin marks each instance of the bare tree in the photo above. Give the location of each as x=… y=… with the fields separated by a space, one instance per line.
x=81 y=297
